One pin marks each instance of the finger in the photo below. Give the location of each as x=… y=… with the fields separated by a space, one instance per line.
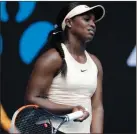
x=81 y=108
x=82 y=118
x=85 y=116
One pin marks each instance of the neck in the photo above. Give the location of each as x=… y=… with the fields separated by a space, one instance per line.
x=75 y=46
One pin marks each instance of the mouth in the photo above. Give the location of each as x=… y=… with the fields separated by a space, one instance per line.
x=91 y=31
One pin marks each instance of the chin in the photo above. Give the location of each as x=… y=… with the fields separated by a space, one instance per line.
x=89 y=39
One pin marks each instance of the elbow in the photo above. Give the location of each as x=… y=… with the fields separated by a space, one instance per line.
x=99 y=108
x=98 y=112
x=30 y=99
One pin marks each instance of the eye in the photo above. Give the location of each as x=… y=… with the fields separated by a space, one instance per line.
x=86 y=18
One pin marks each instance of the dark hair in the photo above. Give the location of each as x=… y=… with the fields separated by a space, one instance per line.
x=55 y=37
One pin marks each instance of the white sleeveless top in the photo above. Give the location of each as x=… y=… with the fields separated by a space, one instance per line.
x=77 y=89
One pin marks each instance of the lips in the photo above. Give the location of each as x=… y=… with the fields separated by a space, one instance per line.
x=91 y=31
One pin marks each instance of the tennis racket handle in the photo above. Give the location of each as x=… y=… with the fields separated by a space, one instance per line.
x=75 y=115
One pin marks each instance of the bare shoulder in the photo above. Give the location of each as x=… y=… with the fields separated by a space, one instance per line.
x=97 y=62
x=49 y=60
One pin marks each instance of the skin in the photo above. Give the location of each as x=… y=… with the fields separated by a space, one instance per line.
x=41 y=79
x=79 y=30
x=96 y=101
x=76 y=47
x=50 y=62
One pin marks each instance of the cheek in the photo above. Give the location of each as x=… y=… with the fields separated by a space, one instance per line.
x=80 y=26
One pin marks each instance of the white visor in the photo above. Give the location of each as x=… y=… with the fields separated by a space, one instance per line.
x=98 y=11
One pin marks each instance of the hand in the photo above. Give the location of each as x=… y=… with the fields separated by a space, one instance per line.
x=85 y=115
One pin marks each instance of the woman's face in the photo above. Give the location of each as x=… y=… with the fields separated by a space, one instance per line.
x=83 y=26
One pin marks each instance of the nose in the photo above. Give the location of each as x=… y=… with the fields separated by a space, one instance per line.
x=92 y=24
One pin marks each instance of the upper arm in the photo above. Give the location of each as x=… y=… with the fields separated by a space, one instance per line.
x=97 y=97
x=43 y=73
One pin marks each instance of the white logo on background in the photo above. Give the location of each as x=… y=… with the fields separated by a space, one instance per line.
x=131 y=61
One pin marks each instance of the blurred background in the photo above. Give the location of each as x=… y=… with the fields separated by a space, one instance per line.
x=23 y=36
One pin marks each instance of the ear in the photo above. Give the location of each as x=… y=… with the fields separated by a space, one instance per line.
x=68 y=23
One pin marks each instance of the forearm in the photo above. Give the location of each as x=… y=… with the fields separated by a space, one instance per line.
x=51 y=106
x=97 y=120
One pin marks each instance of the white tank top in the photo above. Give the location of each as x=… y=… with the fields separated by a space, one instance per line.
x=77 y=89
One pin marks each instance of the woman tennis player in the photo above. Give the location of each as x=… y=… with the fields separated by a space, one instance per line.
x=66 y=78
